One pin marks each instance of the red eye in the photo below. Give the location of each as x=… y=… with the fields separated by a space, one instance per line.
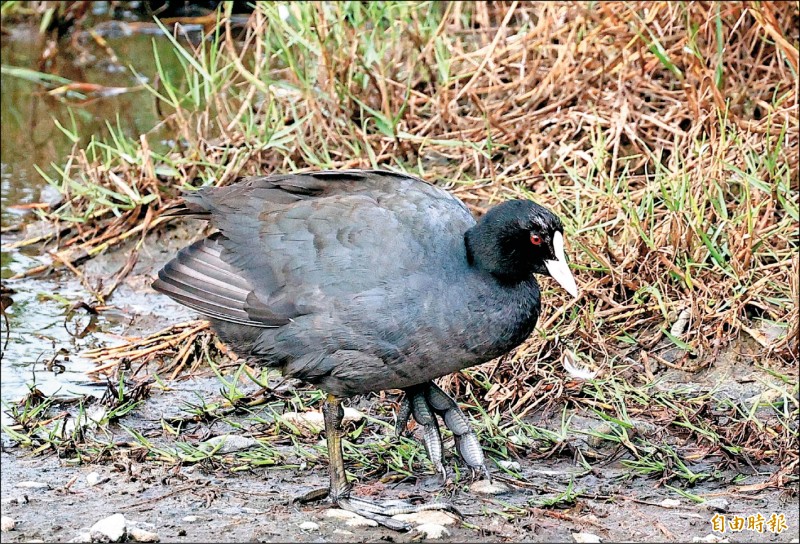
x=536 y=239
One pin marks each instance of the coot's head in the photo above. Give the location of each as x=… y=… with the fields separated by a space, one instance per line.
x=518 y=238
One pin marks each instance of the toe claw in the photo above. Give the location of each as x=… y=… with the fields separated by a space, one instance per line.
x=439 y=467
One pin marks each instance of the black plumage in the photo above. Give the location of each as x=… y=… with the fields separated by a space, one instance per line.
x=360 y=281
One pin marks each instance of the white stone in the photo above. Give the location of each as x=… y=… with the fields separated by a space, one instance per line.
x=228 y=443
x=670 y=503
x=33 y=485
x=485 y=487
x=338 y=513
x=314 y=422
x=306 y=422
x=433 y=531
x=351 y=518
x=96 y=413
x=309 y=526
x=437 y=517
x=110 y=529
x=361 y=521
x=711 y=538
x=510 y=465
x=190 y=519
x=92 y=479
x=91 y=419
x=7 y=524
x=140 y=535
x=586 y=538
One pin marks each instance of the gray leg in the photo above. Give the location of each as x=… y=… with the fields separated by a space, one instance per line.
x=454 y=419
x=416 y=404
x=423 y=402
x=430 y=431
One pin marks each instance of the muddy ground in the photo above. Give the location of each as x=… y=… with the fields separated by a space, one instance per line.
x=253 y=507
x=207 y=501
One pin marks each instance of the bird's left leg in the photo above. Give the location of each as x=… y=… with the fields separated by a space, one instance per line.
x=415 y=403
x=339 y=491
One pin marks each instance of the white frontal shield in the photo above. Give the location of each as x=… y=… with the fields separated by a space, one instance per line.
x=559 y=270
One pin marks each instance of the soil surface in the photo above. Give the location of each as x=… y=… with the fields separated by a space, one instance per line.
x=198 y=504
x=207 y=501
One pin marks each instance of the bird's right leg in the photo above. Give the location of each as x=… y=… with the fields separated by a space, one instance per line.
x=423 y=401
x=467 y=444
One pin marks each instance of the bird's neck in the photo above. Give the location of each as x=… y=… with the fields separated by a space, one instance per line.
x=491 y=252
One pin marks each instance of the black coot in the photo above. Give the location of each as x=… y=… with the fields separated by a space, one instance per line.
x=359 y=281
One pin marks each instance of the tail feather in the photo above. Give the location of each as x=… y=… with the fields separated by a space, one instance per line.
x=186 y=208
x=198 y=278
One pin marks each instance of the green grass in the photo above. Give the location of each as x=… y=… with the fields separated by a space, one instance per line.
x=676 y=197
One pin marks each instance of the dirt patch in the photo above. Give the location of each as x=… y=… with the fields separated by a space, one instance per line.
x=254 y=505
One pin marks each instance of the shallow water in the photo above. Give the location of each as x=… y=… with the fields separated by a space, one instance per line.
x=40 y=324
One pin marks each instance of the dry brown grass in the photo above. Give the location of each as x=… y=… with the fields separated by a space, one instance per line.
x=665 y=134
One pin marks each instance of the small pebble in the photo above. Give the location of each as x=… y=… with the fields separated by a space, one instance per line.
x=586 y=538
x=338 y=513
x=33 y=485
x=190 y=519
x=485 y=487
x=92 y=479
x=248 y=510
x=510 y=465
x=110 y=529
x=602 y=428
x=309 y=526
x=7 y=524
x=437 y=517
x=670 y=503
x=433 y=531
x=715 y=505
x=140 y=535
x=21 y=499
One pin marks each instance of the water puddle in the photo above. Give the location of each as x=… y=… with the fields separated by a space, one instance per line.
x=44 y=336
